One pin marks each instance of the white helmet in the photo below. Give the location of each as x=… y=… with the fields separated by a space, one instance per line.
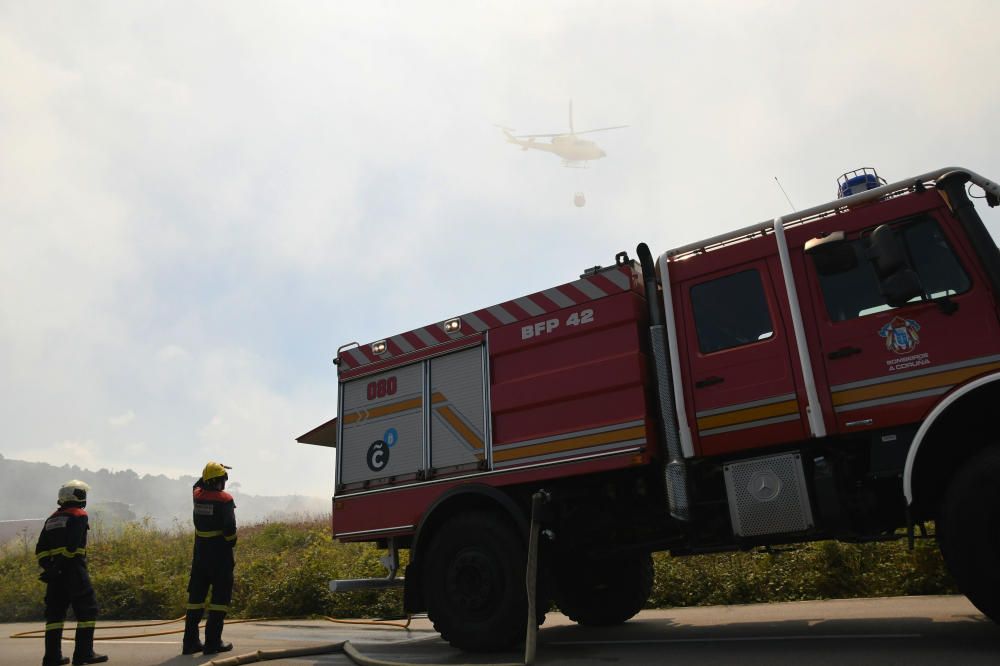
x=73 y=491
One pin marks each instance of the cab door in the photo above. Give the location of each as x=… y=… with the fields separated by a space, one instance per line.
x=887 y=366
x=739 y=362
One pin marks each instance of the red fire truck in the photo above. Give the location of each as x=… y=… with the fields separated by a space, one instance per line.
x=829 y=374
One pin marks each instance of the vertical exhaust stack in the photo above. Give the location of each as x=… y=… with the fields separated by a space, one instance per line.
x=675 y=469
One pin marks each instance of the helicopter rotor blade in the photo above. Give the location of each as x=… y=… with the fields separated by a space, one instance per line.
x=601 y=129
x=538 y=136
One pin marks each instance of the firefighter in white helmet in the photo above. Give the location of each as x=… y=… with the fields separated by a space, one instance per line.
x=62 y=554
x=212 y=564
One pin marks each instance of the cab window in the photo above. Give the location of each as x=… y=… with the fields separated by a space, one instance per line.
x=855 y=292
x=731 y=311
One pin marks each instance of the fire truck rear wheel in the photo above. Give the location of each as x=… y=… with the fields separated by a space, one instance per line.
x=605 y=592
x=474 y=582
x=969 y=531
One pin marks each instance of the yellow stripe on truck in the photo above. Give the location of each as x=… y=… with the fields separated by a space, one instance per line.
x=501 y=454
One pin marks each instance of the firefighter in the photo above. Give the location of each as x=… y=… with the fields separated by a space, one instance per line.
x=212 y=563
x=62 y=554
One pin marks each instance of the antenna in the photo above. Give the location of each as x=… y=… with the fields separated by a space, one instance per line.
x=794 y=209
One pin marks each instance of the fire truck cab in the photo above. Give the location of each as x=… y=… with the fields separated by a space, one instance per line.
x=828 y=374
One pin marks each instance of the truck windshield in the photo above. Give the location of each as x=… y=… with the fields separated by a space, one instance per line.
x=855 y=292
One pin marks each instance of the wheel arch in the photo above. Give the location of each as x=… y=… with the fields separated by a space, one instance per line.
x=466 y=497
x=928 y=449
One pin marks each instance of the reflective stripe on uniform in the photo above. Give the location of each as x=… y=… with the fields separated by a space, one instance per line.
x=209 y=534
x=54 y=625
x=231 y=537
x=62 y=551
x=218 y=607
x=88 y=624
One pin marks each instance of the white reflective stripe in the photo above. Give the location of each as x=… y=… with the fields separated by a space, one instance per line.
x=589 y=288
x=501 y=314
x=477 y=324
x=401 y=342
x=618 y=276
x=529 y=306
x=425 y=337
x=355 y=356
x=559 y=298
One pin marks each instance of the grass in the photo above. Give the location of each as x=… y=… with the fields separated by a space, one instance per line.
x=282 y=570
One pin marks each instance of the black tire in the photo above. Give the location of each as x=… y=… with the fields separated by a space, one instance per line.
x=605 y=592
x=969 y=531
x=474 y=583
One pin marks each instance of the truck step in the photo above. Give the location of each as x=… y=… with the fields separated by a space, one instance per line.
x=365 y=584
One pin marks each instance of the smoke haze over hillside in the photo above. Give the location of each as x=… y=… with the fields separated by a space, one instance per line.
x=28 y=490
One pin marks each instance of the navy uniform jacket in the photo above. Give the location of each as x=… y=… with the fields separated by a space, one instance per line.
x=214 y=525
x=62 y=549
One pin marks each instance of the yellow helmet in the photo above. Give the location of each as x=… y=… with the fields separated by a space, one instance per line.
x=214 y=470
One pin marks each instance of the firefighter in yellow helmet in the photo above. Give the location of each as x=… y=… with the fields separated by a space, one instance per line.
x=212 y=563
x=62 y=554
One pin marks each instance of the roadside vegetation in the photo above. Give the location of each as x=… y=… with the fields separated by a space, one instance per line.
x=282 y=570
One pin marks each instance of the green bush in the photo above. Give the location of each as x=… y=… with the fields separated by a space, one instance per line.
x=821 y=570
x=282 y=570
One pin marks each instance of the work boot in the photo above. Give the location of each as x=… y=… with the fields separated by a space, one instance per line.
x=213 y=633
x=84 y=653
x=192 y=642
x=53 y=645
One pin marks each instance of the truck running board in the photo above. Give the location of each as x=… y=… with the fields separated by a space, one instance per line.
x=365 y=584
x=389 y=561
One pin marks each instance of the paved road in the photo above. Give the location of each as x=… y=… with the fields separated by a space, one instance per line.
x=908 y=631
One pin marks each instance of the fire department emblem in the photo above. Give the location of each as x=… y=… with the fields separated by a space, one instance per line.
x=900 y=335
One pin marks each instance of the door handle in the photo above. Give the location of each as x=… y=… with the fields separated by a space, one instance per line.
x=708 y=381
x=843 y=352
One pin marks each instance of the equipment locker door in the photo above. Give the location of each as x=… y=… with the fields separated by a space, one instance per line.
x=739 y=361
x=458 y=414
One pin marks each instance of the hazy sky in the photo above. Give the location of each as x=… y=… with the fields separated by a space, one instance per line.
x=200 y=202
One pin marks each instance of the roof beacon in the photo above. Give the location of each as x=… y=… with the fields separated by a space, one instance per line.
x=859 y=180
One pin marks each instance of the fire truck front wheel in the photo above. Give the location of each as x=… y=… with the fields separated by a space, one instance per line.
x=605 y=592
x=969 y=531
x=474 y=582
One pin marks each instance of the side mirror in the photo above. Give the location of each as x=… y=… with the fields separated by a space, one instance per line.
x=831 y=253
x=898 y=283
x=886 y=252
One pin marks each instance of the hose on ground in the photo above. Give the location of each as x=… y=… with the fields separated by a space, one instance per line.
x=346 y=648
x=40 y=633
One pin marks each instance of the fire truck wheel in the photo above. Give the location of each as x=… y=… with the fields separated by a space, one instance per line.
x=969 y=531
x=474 y=582
x=606 y=592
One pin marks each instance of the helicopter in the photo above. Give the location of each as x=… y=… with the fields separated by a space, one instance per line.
x=574 y=151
